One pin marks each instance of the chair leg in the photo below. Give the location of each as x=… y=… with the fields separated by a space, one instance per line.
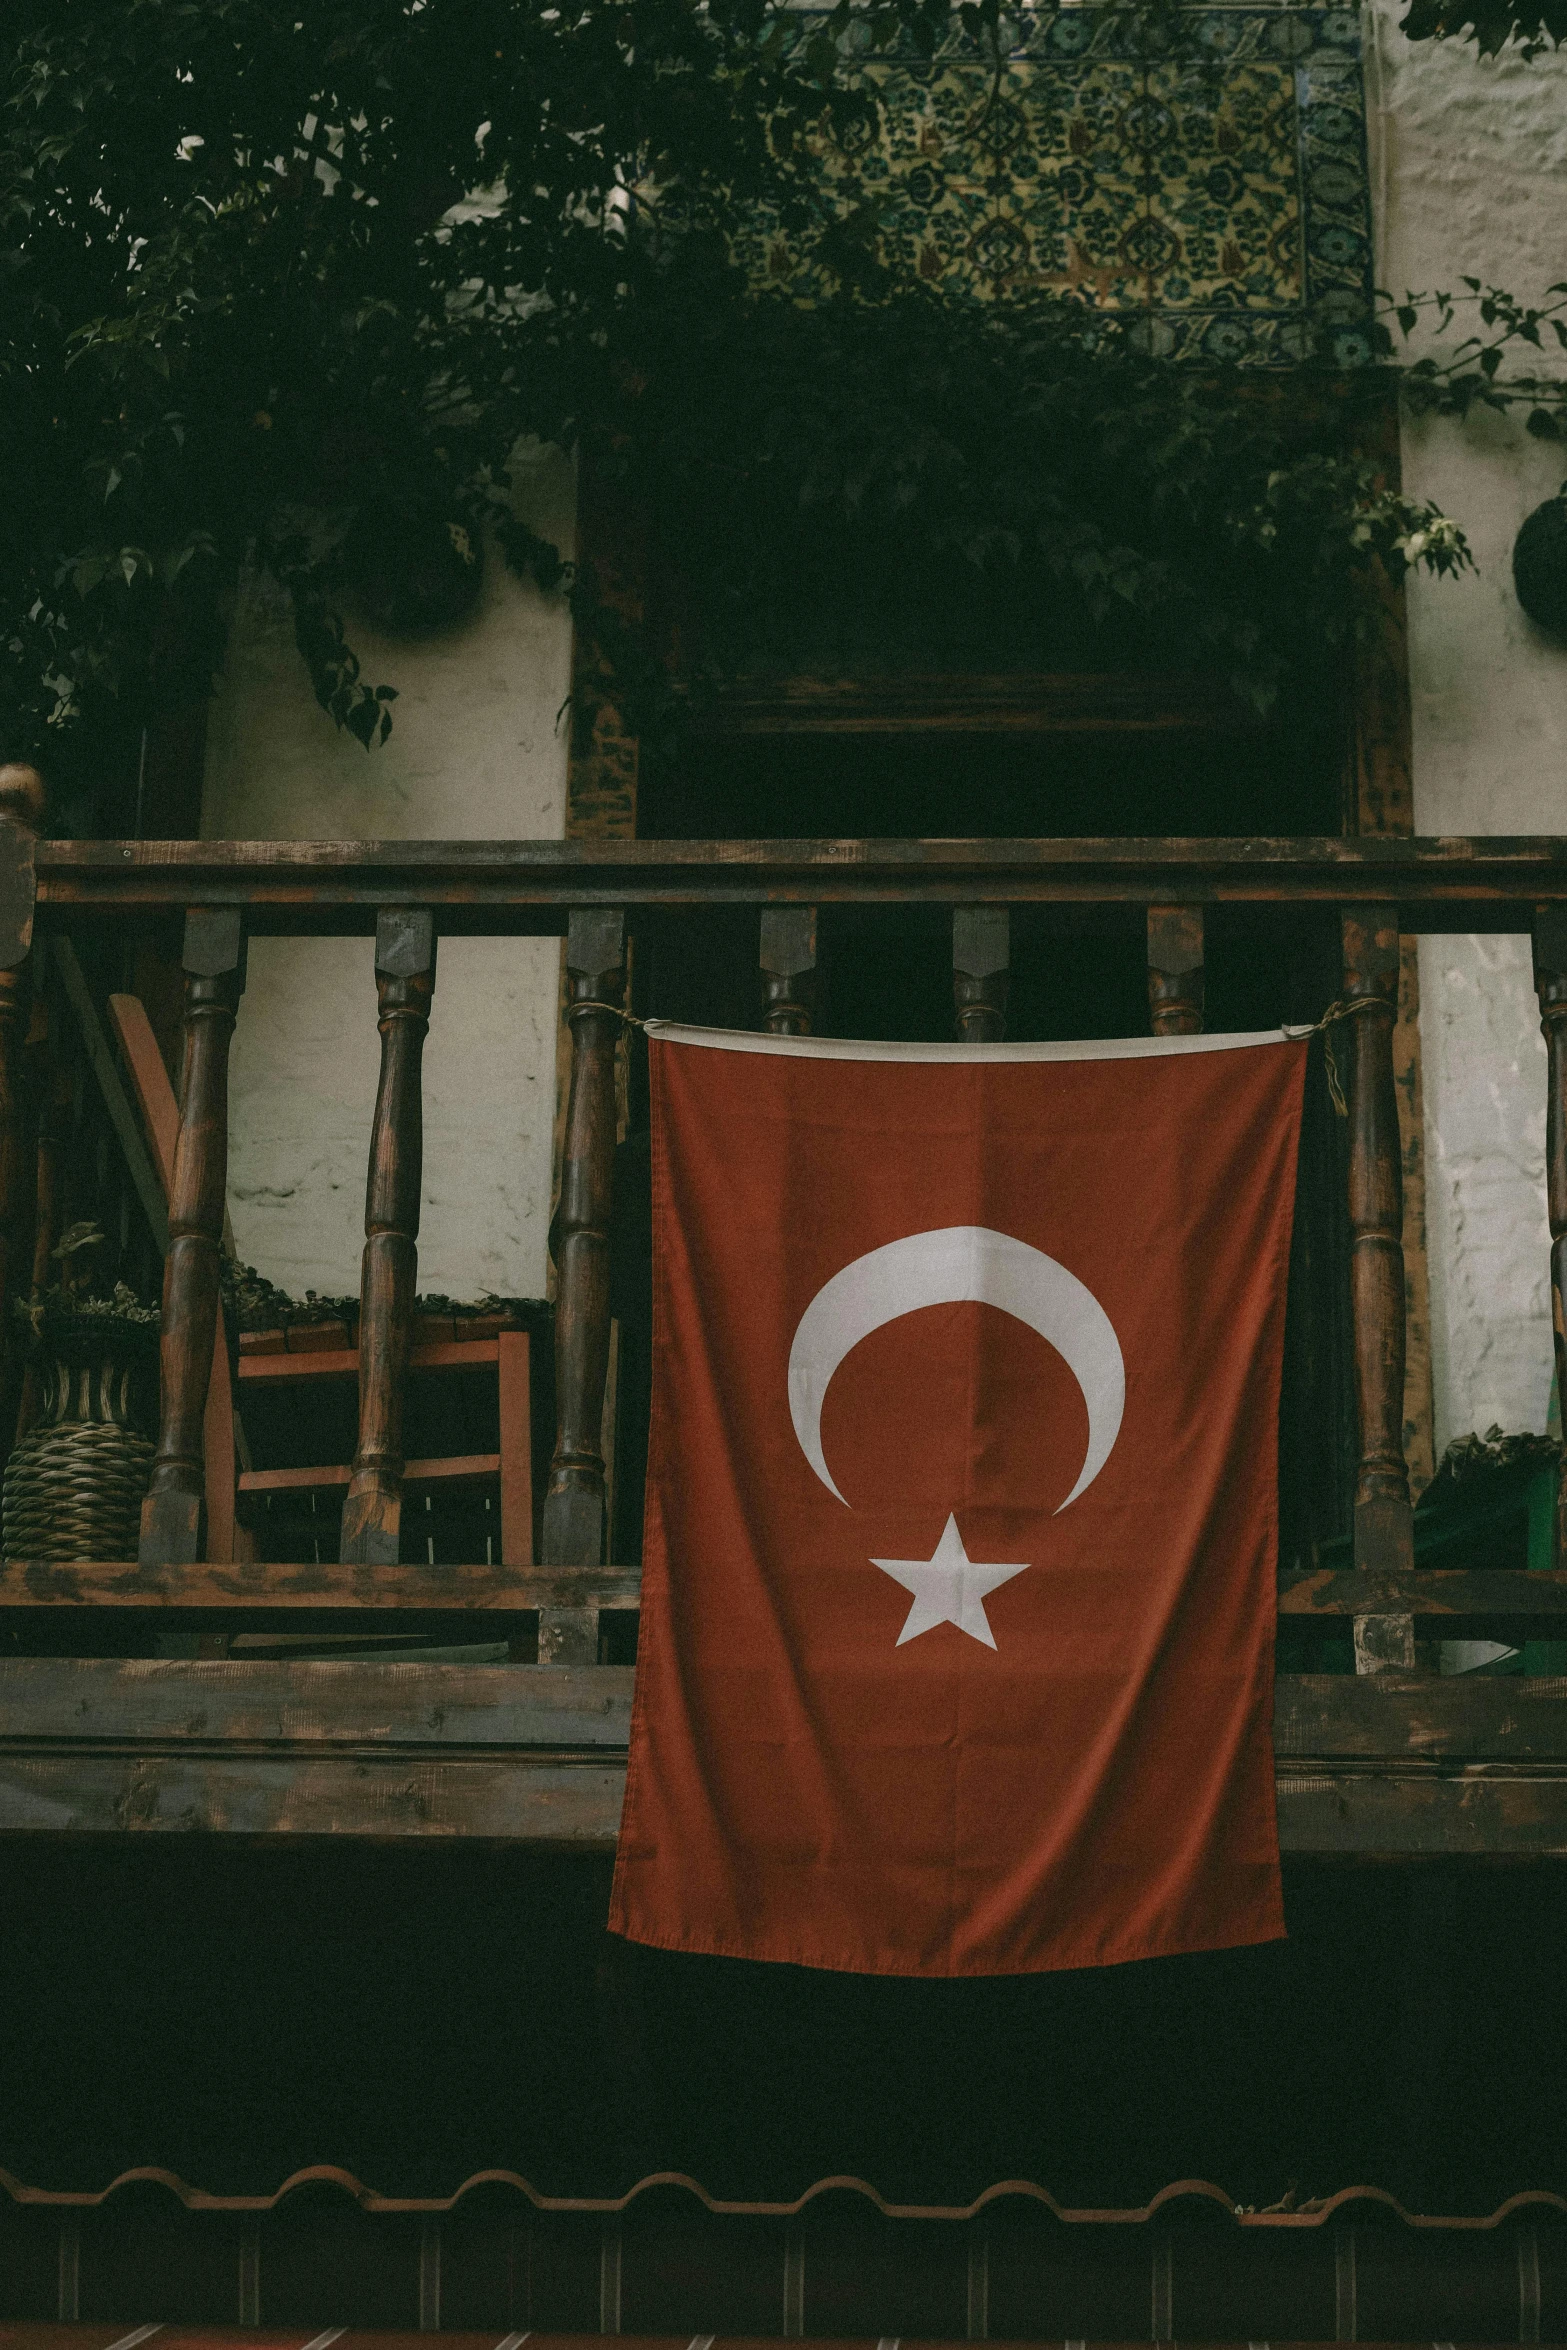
x=516 y=1445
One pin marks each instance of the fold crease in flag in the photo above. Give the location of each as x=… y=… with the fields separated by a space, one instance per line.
x=958 y=1587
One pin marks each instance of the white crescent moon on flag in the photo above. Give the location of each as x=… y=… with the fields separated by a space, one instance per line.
x=963 y=1263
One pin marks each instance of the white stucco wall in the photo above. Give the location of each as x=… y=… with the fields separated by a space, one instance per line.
x=476 y=752
x=1469 y=163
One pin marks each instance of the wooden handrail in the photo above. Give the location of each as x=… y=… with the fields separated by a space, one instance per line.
x=522 y=887
x=1380 y=887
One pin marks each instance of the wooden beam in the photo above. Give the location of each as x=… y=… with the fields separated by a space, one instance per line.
x=527 y=887
x=461 y=1467
x=1020 y=703
x=267 y=1586
x=1425 y=1591
x=1396 y=1766
x=1326 y=1591
x=1392 y=1720
x=406 y=1707
x=568 y=1807
x=560 y=1806
x=1397 y=1720
x=1382 y=1815
x=343 y=1362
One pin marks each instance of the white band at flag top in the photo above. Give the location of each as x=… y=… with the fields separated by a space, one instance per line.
x=844 y=1048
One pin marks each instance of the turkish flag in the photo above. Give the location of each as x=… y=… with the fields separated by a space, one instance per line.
x=958 y=1584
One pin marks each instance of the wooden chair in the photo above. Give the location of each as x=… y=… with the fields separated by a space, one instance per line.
x=229 y=1479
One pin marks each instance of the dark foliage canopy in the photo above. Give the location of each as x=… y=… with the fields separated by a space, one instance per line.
x=279 y=283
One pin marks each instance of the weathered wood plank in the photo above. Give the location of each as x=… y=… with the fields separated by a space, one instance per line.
x=1444 y=1591
x=343 y=1361
x=1396 y=1765
x=95 y=1701
x=575 y=1806
x=464 y=1468
x=1388 y=1719
x=1375 y=1815
x=522 y=887
x=570 y=1807
x=312 y=1585
x=1425 y=1591
x=1395 y=1717
x=1022 y=703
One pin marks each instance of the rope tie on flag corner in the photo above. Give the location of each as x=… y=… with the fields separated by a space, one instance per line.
x=615 y=1011
x=1342 y=1008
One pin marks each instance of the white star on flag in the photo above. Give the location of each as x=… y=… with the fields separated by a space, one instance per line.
x=950 y=1588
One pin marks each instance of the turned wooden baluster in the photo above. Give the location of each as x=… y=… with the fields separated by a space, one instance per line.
x=574 y=1500
x=389 y=1269
x=1175 y=973
x=1550 y=979
x=788 y=961
x=172 y=1514
x=1363 y=1045
x=21 y=813
x=981 y=956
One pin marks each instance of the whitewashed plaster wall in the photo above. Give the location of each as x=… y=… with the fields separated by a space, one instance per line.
x=1469 y=165
x=476 y=752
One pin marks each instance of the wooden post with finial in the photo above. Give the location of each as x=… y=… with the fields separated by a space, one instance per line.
x=21 y=816
x=1383 y=1517
x=1550 y=980
x=389 y=1269
x=214 y=962
x=788 y=963
x=1175 y=970
x=981 y=961
x=574 y=1499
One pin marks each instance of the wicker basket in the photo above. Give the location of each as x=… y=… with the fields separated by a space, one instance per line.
x=74 y=1483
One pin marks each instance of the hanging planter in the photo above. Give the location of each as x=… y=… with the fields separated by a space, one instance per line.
x=74 y=1483
x=1540 y=565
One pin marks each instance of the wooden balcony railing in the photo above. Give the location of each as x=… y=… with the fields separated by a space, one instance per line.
x=1392 y=1761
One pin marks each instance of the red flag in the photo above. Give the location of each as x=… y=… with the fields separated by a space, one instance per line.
x=958 y=1579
